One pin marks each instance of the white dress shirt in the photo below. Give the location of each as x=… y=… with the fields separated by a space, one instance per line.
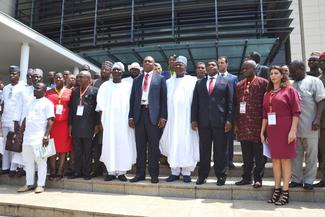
x=214 y=80
x=145 y=94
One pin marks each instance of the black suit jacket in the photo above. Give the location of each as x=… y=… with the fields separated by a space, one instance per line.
x=157 y=98
x=212 y=110
x=84 y=126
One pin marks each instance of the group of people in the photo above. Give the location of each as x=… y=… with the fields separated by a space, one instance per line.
x=183 y=117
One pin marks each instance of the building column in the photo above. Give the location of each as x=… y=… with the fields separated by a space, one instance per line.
x=24 y=60
x=75 y=70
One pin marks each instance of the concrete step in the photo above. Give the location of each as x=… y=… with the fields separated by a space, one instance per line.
x=177 y=189
x=164 y=170
x=60 y=202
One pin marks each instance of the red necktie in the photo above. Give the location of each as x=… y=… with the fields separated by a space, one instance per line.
x=211 y=86
x=145 y=83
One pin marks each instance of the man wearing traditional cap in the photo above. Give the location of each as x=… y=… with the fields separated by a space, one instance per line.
x=179 y=142
x=119 y=151
x=134 y=70
x=11 y=116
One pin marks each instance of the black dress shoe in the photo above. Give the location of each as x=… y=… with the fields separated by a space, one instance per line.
x=308 y=187
x=12 y=173
x=231 y=166
x=74 y=176
x=137 y=178
x=154 y=180
x=3 y=172
x=87 y=177
x=243 y=182
x=221 y=181
x=320 y=184
x=257 y=184
x=295 y=185
x=122 y=178
x=200 y=181
x=109 y=178
x=172 y=178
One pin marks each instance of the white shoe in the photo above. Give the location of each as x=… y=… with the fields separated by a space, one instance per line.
x=39 y=189
x=25 y=188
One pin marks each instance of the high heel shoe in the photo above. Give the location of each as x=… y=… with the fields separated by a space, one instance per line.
x=284 y=199
x=275 y=196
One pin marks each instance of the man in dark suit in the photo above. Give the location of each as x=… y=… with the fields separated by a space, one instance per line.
x=233 y=79
x=212 y=115
x=261 y=70
x=83 y=124
x=148 y=115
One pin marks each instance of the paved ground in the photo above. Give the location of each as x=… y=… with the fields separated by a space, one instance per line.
x=156 y=206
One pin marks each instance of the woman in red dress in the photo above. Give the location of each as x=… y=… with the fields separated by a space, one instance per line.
x=281 y=110
x=60 y=97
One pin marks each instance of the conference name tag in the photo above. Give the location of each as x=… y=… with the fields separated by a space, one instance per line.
x=242 y=108
x=80 y=110
x=271 y=118
x=59 y=109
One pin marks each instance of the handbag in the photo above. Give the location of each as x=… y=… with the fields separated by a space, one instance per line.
x=14 y=142
x=42 y=152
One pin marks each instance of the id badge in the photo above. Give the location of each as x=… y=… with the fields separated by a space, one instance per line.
x=271 y=118
x=80 y=110
x=59 y=109
x=242 y=108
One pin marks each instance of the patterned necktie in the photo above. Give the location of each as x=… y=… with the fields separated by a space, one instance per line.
x=211 y=86
x=145 y=83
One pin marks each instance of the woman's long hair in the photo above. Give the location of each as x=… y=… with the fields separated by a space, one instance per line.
x=284 y=80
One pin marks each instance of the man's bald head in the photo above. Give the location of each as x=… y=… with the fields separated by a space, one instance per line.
x=148 y=64
x=84 y=79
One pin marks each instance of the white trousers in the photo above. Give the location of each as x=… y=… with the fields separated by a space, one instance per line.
x=307 y=148
x=29 y=161
x=185 y=171
x=7 y=155
x=117 y=173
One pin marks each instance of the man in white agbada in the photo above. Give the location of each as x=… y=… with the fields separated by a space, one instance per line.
x=179 y=142
x=38 y=121
x=113 y=101
x=11 y=116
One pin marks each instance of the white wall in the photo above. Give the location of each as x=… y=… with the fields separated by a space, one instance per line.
x=8 y=6
x=314 y=28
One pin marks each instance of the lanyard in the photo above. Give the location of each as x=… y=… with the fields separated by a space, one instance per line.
x=272 y=95
x=246 y=87
x=59 y=94
x=82 y=94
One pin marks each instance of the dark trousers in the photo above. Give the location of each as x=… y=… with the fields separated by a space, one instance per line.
x=82 y=151
x=219 y=138
x=230 y=149
x=147 y=137
x=253 y=151
x=97 y=152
